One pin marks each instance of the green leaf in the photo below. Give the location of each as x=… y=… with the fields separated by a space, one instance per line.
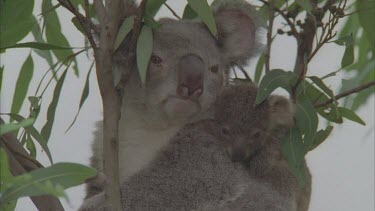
x=345 y=40
x=322 y=86
x=22 y=84
x=85 y=94
x=77 y=25
x=294 y=152
x=5 y=174
x=204 y=11
x=36 y=45
x=11 y=127
x=273 y=80
x=49 y=180
x=124 y=29
x=153 y=6
x=47 y=55
x=348 y=56
x=150 y=21
x=30 y=145
x=189 y=13
x=144 y=51
x=366 y=15
x=305 y=4
x=321 y=136
x=259 y=68
x=15 y=20
x=46 y=130
x=34 y=133
x=306 y=120
x=349 y=114
x=55 y=36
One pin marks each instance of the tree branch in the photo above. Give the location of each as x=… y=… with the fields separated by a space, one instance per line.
x=20 y=162
x=346 y=93
x=172 y=11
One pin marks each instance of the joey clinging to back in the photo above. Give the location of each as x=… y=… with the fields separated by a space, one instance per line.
x=189 y=66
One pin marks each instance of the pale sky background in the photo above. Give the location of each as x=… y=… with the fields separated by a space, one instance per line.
x=342 y=168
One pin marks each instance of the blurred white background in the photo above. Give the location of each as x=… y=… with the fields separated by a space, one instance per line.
x=342 y=167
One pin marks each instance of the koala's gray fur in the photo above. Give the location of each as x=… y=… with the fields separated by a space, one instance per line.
x=151 y=115
x=255 y=132
x=194 y=171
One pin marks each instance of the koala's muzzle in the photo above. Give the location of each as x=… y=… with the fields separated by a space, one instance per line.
x=190 y=77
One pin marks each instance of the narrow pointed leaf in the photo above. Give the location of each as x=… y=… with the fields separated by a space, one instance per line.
x=348 y=56
x=22 y=84
x=259 y=68
x=349 y=114
x=204 y=11
x=46 y=130
x=1 y=77
x=36 y=45
x=30 y=146
x=150 y=21
x=321 y=136
x=34 y=133
x=306 y=120
x=124 y=29
x=11 y=127
x=85 y=94
x=294 y=152
x=153 y=6
x=189 y=13
x=144 y=51
x=50 y=180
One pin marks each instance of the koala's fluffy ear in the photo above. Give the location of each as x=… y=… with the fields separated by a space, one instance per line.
x=237 y=24
x=281 y=112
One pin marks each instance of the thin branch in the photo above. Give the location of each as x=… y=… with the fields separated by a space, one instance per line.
x=346 y=93
x=267 y=54
x=172 y=11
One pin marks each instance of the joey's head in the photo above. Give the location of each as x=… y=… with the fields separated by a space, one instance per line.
x=189 y=66
x=241 y=145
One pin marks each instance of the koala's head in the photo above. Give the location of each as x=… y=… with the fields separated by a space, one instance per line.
x=189 y=66
x=246 y=127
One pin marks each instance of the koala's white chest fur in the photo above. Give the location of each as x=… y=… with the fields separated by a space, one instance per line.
x=139 y=146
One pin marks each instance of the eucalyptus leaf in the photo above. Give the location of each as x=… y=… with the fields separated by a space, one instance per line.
x=34 y=133
x=124 y=29
x=77 y=25
x=274 y=79
x=30 y=146
x=349 y=114
x=321 y=136
x=85 y=94
x=46 y=130
x=294 y=152
x=36 y=45
x=259 y=68
x=153 y=6
x=189 y=13
x=305 y=4
x=50 y=180
x=11 y=127
x=345 y=40
x=306 y=120
x=150 y=21
x=15 y=20
x=366 y=15
x=22 y=84
x=144 y=51
x=348 y=57
x=204 y=11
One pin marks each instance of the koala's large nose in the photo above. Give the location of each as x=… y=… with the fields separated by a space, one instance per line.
x=190 y=76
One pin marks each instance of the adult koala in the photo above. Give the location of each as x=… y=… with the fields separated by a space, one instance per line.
x=188 y=68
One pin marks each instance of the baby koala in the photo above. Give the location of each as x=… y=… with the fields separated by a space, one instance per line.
x=253 y=140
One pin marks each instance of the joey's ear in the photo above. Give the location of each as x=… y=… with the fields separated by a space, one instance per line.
x=281 y=112
x=237 y=24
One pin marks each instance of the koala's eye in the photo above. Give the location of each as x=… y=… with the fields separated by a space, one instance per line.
x=225 y=131
x=256 y=134
x=156 y=59
x=214 y=69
